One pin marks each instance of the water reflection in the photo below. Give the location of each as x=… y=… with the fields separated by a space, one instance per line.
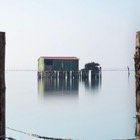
x=66 y=87
x=86 y=111
x=93 y=84
x=58 y=87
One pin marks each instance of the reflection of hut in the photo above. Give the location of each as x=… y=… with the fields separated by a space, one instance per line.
x=56 y=87
x=50 y=66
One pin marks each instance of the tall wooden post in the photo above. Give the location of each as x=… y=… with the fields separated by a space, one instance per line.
x=2 y=85
x=137 y=75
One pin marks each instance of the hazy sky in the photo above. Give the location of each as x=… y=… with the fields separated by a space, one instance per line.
x=102 y=31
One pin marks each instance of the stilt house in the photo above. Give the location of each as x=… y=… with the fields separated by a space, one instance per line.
x=58 y=64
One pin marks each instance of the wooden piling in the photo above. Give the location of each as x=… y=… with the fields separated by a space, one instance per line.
x=68 y=74
x=76 y=74
x=62 y=74
x=2 y=85
x=85 y=74
x=137 y=76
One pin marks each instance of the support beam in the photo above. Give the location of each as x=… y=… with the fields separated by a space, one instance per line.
x=2 y=85
x=137 y=75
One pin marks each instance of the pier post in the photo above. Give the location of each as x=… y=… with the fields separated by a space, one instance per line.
x=85 y=74
x=92 y=74
x=137 y=76
x=2 y=85
x=68 y=74
x=62 y=74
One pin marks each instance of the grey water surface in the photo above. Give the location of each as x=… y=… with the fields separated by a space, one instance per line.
x=96 y=109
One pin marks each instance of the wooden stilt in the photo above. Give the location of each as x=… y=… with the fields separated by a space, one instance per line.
x=2 y=85
x=137 y=75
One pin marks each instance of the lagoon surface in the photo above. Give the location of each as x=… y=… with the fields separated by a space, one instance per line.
x=81 y=110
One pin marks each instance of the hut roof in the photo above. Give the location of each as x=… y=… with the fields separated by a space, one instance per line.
x=60 y=58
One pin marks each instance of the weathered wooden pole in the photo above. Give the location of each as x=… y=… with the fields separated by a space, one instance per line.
x=2 y=85
x=137 y=76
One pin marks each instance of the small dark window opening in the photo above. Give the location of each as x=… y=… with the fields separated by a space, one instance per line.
x=48 y=62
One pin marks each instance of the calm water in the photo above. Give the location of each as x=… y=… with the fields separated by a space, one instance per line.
x=83 y=110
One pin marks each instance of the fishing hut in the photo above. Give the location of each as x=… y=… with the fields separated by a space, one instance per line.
x=58 y=67
x=95 y=69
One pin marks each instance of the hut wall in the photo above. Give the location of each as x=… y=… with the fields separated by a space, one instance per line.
x=41 y=65
x=62 y=65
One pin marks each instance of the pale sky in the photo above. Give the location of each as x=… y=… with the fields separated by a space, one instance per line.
x=101 y=31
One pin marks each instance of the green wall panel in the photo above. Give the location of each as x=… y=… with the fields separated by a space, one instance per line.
x=41 y=64
x=58 y=65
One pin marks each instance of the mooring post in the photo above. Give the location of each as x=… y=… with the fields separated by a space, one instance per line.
x=2 y=85
x=137 y=76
